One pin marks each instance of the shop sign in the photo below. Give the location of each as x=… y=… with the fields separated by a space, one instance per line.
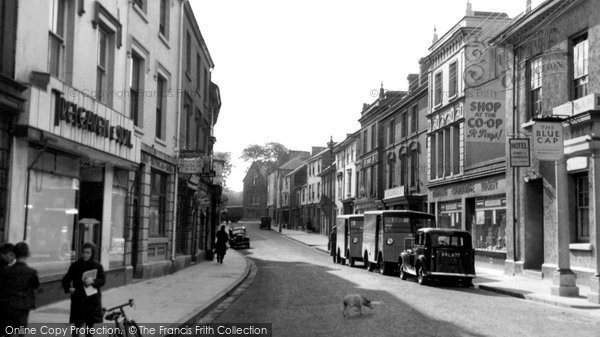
x=548 y=140
x=157 y=163
x=190 y=165
x=519 y=152
x=84 y=119
x=485 y=121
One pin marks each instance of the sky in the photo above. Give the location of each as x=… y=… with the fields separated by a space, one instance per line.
x=298 y=72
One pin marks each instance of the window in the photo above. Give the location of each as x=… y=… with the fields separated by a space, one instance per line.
x=365 y=141
x=403 y=169
x=535 y=90
x=56 y=50
x=161 y=86
x=188 y=122
x=440 y=153
x=188 y=53
x=414 y=119
x=198 y=73
x=135 y=88
x=254 y=179
x=205 y=85
x=580 y=66
x=199 y=144
x=433 y=157
x=139 y=3
x=158 y=203
x=456 y=149
x=103 y=68
x=583 y=204
x=438 y=88
x=373 y=136
x=453 y=85
x=318 y=190
x=414 y=168
x=404 y=123
x=372 y=181
x=349 y=184
x=340 y=185
x=391 y=173
x=391 y=134
x=447 y=150
x=163 y=25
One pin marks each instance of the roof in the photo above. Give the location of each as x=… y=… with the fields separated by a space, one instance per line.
x=318 y=155
x=261 y=166
x=295 y=162
x=304 y=164
x=447 y=231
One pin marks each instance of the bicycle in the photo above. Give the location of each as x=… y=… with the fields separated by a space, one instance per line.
x=125 y=327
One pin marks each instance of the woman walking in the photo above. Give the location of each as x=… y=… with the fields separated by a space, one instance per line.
x=83 y=282
x=222 y=239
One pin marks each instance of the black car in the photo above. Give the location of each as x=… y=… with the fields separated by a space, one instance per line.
x=265 y=222
x=238 y=237
x=440 y=253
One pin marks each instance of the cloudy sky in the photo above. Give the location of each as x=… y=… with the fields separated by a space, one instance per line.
x=297 y=72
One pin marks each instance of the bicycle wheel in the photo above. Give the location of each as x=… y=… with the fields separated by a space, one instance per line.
x=132 y=329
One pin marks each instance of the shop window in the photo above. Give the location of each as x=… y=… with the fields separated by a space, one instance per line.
x=158 y=203
x=52 y=209
x=116 y=250
x=489 y=231
x=582 y=203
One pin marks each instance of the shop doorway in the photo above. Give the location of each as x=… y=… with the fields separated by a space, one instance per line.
x=533 y=224
x=91 y=201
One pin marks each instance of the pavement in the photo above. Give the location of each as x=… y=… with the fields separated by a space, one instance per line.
x=489 y=278
x=173 y=300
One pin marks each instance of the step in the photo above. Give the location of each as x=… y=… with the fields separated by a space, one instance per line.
x=533 y=274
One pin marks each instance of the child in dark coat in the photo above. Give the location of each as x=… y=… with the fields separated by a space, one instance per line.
x=18 y=283
x=86 y=308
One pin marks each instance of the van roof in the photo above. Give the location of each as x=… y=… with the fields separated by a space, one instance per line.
x=348 y=216
x=397 y=211
x=448 y=231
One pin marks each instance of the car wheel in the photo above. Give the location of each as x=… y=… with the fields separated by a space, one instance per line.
x=342 y=261
x=420 y=276
x=335 y=258
x=366 y=261
x=403 y=275
x=370 y=265
x=351 y=261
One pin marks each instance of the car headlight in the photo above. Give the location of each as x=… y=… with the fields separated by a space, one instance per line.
x=355 y=240
x=390 y=241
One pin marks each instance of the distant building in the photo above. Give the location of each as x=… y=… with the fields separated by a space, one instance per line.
x=327 y=203
x=278 y=187
x=321 y=156
x=298 y=200
x=255 y=190
x=346 y=178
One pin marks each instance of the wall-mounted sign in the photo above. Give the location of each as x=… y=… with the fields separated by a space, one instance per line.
x=190 y=165
x=87 y=120
x=519 y=152
x=485 y=121
x=548 y=140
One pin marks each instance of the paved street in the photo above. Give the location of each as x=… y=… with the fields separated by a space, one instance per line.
x=300 y=291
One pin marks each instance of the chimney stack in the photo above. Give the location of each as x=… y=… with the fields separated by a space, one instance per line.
x=435 y=37
x=413 y=82
x=469 y=9
x=528 y=6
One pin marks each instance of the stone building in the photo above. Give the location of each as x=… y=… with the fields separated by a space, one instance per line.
x=556 y=89
x=466 y=133
x=255 y=190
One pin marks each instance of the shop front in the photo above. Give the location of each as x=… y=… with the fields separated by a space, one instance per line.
x=477 y=206
x=76 y=160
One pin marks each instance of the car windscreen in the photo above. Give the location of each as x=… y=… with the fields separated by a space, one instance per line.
x=445 y=240
x=396 y=224
x=238 y=232
x=356 y=225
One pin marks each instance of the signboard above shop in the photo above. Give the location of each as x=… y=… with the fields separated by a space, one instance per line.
x=548 y=140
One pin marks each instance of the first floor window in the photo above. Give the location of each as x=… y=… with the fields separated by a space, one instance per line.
x=535 y=87
x=161 y=86
x=432 y=157
x=158 y=203
x=583 y=205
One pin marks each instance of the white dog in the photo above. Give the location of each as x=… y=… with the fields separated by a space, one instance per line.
x=356 y=301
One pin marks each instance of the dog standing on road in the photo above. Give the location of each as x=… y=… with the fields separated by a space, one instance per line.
x=356 y=301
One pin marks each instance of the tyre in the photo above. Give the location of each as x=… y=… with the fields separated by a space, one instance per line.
x=421 y=279
x=132 y=329
x=351 y=260
x=366 y=261
x=334 y=258
x=342 y=261
x=371 y=266
x=383 y=267
x=403 y=275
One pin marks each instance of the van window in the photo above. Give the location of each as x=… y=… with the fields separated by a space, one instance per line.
x=419 y=223
x=396 y=224
x=356 y=225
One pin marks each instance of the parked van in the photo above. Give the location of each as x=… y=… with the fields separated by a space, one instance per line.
x=348 y=239
x=386 y=234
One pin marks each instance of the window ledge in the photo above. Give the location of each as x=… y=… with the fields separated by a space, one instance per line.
x=160 y=142
x=581 y=246
x=164 y=40
x=141 y=12
x=138 y=131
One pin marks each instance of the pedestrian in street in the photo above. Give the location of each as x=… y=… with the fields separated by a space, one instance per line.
x=18 y=283
x=83 y=281
x=221 y=248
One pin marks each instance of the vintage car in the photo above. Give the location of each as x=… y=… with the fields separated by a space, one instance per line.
x=238 y=237
x=440 y=253
x=265 y=222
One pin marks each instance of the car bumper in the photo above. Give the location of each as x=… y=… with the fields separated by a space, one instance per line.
x=434 y=273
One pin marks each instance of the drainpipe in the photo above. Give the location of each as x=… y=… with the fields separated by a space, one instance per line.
x=177 y=126
x=514 y=169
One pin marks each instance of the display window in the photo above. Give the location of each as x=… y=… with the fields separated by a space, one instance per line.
x=489 y=230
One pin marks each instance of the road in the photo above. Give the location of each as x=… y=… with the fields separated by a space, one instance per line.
x=300 y=291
